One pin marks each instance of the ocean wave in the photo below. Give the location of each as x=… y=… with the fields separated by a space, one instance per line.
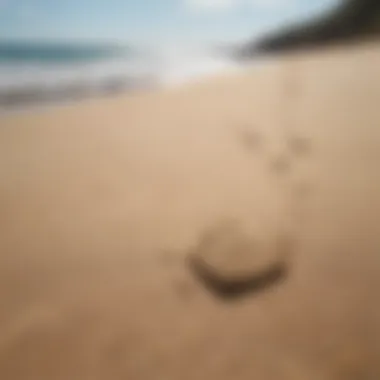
x=33 y=82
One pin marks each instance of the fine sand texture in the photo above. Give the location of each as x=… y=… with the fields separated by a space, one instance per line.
x=126 y=225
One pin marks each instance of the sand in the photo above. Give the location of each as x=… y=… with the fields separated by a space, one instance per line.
x=101 y=203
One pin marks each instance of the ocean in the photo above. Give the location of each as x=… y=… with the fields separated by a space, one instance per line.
x=41 y=73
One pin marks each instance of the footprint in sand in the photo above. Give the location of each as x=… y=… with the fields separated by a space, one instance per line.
x=230 y=264
x=299 y=146
x=250 y=139
x=284 y=165
x=281 y=164
x=295 y=147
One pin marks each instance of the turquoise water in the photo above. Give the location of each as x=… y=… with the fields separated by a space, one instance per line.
x=57 y=53
x=34 y=73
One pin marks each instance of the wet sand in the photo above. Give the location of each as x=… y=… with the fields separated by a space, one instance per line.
x=102 y=203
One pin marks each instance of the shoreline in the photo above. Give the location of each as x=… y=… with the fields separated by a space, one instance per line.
x=30 y=97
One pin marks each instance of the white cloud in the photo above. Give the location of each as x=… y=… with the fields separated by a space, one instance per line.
x=228 y=4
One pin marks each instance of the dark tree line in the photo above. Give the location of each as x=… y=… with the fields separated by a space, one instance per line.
x=350 y=20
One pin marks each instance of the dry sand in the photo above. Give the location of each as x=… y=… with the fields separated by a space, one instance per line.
x=100 y=204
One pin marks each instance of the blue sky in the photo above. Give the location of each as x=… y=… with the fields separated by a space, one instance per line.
x=150 y=21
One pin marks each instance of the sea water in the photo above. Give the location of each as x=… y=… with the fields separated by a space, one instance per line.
x=36 y=73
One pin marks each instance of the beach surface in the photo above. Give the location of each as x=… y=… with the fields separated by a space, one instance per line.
x=102 y=203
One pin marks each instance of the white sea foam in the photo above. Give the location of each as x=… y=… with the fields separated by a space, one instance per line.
x=182 y=67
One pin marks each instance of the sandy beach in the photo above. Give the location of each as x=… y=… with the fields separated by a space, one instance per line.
x=102 y=202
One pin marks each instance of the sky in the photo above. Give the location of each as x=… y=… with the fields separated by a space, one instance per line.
x=150 y=22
